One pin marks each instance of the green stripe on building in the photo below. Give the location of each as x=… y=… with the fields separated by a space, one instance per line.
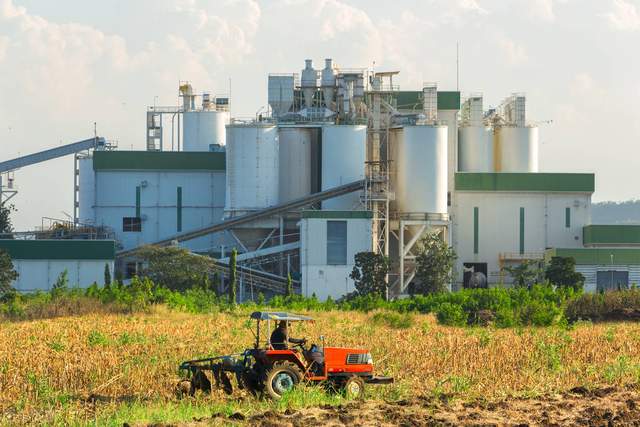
x=60 y=249
x=138 y=197
x=521 y=231
x=158 y=160
x=567 y=217
x=591 y=256
x=476 y=219
x=338 y=214
x=611 y=235
x=413 y=100
x=179 y=209
x=538 y=182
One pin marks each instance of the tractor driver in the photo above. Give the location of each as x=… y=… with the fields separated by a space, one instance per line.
x=279 y=337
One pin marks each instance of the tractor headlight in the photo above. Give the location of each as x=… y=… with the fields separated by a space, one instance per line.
x=369 y=359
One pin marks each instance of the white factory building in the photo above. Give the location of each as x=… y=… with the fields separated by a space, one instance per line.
x=343 y=162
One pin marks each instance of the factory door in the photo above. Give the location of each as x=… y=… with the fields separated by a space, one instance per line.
x=475 y=275
x=612 y=280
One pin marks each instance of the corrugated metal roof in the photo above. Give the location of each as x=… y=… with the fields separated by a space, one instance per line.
x=158 y=160
x=539 y=182
x=60 y=249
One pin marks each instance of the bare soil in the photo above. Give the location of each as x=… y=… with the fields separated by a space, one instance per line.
x=579 y=407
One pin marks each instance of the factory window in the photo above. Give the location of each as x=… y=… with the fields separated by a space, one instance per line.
x=476 y=229
x=337 y=242
x=521 y=231
x=567 y=217
x=132 y=224
x=131 y=270
x=612 y=280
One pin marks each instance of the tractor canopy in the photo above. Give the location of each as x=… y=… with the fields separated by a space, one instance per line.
x=279 y=315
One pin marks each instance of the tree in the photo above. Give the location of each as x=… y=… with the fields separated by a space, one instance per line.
x=7 y=275
x=61 y=286
x=173 y=267
x=233 y=277
x=434 y=265
x=107 y=275
x=289 y=290
x=369 y=273
x=561 y=272
x=5 y=218
x=525 y=274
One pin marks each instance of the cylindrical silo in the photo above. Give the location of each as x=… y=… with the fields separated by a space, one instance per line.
x=421 y=177
x=517 y=149
x=87 y=191
x=475 y=149
x=295 y=162
x=252 y=167
x=343 y=157
x=204 y=129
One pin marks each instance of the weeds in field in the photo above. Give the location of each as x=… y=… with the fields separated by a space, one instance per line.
x=129 y=363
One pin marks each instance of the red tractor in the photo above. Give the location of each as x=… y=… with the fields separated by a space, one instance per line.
x=273 y=368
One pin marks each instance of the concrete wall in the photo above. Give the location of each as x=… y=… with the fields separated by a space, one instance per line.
x=318 y=277
x=499 y=225
x=41 y=274
x=203 y=195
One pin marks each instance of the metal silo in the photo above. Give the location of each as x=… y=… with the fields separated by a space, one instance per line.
x=343 y=157
x=517 y=149
x=204 y=129
x=252 y=167
x=421 y=175
x=295 y=162
x=475 y=149
x=87 y=190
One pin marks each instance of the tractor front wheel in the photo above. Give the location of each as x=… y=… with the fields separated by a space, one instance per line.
x=282 y=377
x=354 y=388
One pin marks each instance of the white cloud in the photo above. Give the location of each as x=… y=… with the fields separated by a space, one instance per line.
x=582 y=83
x=624 y=16
x=514 y=53
x=4 y=45
x=473 y=6
x=542 y=9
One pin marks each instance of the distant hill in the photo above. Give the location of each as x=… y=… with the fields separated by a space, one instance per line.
x=627 y=212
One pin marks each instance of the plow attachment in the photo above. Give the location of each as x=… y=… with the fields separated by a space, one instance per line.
x=219 y=369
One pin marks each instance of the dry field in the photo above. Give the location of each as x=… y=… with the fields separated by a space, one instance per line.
x=110 y=369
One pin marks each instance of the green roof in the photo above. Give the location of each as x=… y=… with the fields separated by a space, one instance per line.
x=60 y=249
x=591 y=256
x=338 y=214
x=611 y=235
x=412 y=100
x=541 y=182
x=158 y=160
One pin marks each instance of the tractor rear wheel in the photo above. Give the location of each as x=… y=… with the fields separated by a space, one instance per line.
x=282 y=377
x=354 y=388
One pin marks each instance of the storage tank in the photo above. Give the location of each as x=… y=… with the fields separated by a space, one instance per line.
x=421 y=176
x=295 y=162
x=517 y=149
x=87 y=191
x=475 y=149
x=203 y=129
x=252 y=167
x=343 y=157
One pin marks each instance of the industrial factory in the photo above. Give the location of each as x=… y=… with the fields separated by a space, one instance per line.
x=343 y=161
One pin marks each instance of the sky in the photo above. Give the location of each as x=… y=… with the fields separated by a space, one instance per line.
x=67 y=64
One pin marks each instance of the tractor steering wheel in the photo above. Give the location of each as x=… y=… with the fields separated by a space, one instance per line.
x=301 y=344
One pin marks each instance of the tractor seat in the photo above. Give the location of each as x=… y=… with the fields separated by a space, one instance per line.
x=315 y=357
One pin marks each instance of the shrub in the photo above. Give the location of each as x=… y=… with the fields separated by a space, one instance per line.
x=393 y=319
x=612 y=305
x=451 y=314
